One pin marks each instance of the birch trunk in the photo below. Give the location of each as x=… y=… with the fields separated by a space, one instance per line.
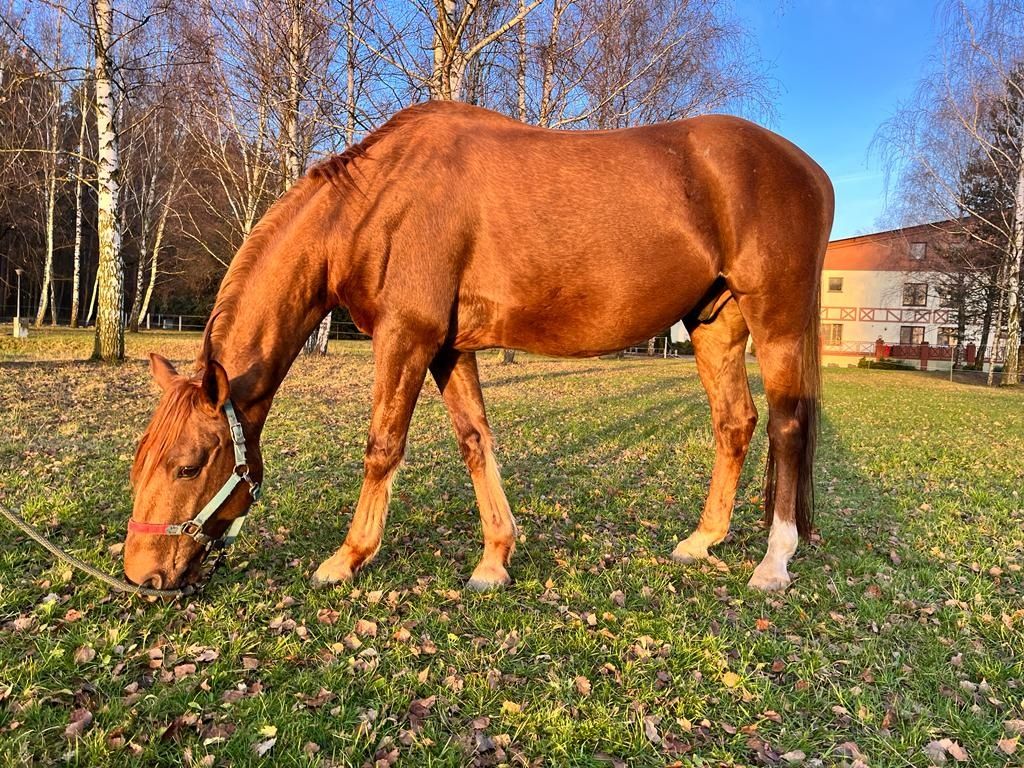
x=545 y=107
x=508 y=356
x=77 y=269
x=158 y=239
x=109 y=345
x=46 y=296
x=92 y=297
x=146 y=214
x=1000 y=299
x=1011 y=366
x=296 y=67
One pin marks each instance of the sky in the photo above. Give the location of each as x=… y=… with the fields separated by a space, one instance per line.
x=842 y=69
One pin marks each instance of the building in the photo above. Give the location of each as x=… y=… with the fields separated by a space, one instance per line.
x=881 y=296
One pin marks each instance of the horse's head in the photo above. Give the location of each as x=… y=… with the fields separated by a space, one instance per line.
x=192 y=480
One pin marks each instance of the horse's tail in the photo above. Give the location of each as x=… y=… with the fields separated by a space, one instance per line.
x=807 y=412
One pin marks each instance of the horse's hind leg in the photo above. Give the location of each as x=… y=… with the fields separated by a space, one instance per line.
x=786 y=336
x=459 y=382
x=720 y=349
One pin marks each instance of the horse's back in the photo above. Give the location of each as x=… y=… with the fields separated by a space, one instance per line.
x=581 y=242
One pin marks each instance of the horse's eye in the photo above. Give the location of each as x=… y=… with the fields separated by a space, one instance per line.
x=188 y=472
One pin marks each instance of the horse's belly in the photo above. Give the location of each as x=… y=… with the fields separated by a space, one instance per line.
x=573 y=320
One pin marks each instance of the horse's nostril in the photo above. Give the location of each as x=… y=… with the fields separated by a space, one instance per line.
x=153 y=581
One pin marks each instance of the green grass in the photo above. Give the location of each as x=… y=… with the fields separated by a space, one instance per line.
x=905 y=624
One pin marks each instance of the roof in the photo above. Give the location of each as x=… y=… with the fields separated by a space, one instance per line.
x=887 y=251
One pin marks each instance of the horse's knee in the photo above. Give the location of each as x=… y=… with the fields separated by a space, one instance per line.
x=383 y=454
x=735 y=432
x=474 y=450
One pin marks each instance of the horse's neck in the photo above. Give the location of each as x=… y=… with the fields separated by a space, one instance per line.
x=270 y=308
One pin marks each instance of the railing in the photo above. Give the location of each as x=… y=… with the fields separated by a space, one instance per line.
x=917 y=315
x=849 y=348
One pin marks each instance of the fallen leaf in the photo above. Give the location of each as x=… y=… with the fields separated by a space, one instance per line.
x=366 y=628
x=730 y=679
x=84 y=655
x=583 y=686
x=510 y=708
x=80 y=720
x=1008 y=746
x=184 y=670
x=651 y=729
x=794 y=757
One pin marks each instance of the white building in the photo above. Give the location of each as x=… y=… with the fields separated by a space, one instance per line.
x=885 y=286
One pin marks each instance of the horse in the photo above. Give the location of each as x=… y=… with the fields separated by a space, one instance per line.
x=453 y=229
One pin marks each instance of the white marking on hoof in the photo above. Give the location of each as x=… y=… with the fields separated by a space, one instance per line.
x=772 y=574
x=769 y=579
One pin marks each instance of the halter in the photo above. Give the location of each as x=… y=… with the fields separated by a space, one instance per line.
x=194 y=528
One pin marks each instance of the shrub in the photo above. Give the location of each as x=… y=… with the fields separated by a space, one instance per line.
x=885 y=364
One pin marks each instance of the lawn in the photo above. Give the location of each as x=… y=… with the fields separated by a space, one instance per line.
x=901 y=641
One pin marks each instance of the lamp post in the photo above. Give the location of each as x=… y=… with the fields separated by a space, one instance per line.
x=17 y=316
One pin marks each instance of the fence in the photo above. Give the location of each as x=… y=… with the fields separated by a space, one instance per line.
x=920 y=355
x=662 y=347
x=341 y=329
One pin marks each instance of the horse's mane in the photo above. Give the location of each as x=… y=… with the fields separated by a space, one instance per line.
x=165 y=428
x=335 y=171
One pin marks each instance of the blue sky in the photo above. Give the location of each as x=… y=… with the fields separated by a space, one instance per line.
x=841 y=69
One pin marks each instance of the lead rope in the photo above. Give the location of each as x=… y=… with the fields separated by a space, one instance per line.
x=119 y=584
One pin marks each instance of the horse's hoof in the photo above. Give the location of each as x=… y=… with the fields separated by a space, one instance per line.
x=331 y=572
x=486 y=578
x=687 y=554
x=766 y=580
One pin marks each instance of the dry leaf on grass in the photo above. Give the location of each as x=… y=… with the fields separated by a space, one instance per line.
x=79 y=722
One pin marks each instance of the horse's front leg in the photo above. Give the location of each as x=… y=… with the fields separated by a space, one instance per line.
x=457 y=378
x=401 y=366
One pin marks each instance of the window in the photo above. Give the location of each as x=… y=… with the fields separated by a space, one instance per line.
x=918 y=251
x=835 y=285
x=911 y=334
x=946 y=337
x=915 y=294
x=832 y=333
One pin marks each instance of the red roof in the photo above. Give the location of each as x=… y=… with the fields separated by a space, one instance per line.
x=886 y=251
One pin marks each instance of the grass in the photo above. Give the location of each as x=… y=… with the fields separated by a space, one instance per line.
x=904 y=625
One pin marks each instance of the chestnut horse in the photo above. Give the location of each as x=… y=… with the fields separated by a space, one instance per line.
x=453 y=229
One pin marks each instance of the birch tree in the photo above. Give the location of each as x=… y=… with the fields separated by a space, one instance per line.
x=109 y=343
x=76 y=273
x=967 y=118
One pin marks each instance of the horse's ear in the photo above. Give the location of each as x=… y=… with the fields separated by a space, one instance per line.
x=216 y=387
x=163 y=372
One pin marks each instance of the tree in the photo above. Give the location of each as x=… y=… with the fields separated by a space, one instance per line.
x=957 y=149
x=109 y=345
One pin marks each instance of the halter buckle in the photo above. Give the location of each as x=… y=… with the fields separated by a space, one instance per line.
x=192 y=529
x=237 y=435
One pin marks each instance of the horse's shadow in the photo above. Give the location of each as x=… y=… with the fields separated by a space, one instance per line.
x=610 y=446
